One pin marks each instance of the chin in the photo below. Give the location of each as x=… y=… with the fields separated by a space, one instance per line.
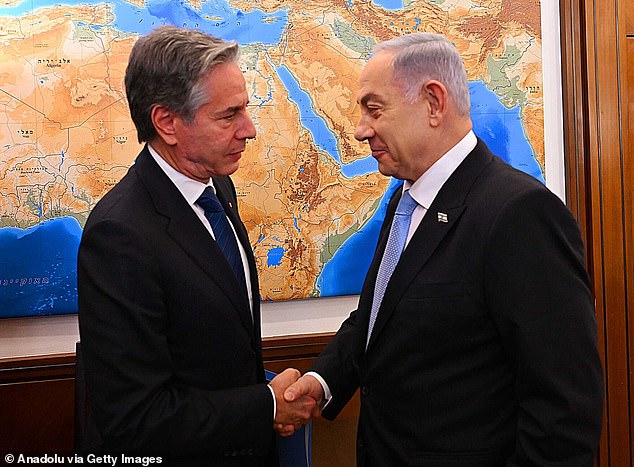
x=231 y=168
x=387 y=171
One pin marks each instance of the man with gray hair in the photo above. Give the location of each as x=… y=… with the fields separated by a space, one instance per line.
x=474 y=342
x=168 y=291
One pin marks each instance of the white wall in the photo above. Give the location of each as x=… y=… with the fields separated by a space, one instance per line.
x=48 y=335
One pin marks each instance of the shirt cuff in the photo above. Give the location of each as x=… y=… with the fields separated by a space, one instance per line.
x=324 y=385
x=274 y=403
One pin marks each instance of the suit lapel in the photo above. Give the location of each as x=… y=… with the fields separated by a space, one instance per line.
x=189 y=233
x=441 y=217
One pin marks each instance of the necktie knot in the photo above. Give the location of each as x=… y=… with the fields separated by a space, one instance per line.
x=406 y=204
x=209 y=201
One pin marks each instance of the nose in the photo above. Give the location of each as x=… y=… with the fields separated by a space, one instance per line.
x=363 y=131
x=247 y=130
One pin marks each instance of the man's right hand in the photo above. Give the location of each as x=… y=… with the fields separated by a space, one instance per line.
x=309 y=386
x=291 y=414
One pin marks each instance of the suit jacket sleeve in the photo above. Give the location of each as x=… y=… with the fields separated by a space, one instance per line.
x=538 y=294
x=144 y=402
x=339 y=363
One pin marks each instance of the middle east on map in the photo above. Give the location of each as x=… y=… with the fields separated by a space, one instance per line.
x=310 y=195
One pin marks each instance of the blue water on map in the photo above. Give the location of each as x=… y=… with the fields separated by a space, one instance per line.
x=362 y=166
x=274 y=256
x=345 y=272
x=323 y=137
x=502 y=130
x=217 y=18
x=38 y=268
x=389 y=4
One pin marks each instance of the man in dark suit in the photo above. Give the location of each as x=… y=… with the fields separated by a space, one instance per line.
x=476 y=346
x=168 y=291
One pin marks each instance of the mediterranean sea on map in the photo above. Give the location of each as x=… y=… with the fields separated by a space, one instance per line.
x=232 y=24
x=38 y=263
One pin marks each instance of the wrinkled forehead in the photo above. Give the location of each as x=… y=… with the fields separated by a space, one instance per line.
x=377 y=77
x=379 y=67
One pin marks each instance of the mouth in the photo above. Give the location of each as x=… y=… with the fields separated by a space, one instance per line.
x=378 y=152
x=236 y=155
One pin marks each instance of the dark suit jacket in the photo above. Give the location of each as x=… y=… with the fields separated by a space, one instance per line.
x=484 y=350
x=173 y=358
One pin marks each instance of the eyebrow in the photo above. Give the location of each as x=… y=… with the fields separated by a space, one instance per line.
x=234 y=108
x=369 y=97
x=230 y=110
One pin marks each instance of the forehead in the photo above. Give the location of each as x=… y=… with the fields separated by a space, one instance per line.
x=225 y=83
x=377 y=78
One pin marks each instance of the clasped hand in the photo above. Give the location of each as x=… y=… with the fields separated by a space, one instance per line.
x=298 y=398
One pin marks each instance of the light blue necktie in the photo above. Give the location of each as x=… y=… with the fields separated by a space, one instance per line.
x=393 y=250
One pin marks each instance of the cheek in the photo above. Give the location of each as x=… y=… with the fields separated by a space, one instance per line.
x=412 y=138
x=219 y=136
x=394 y=143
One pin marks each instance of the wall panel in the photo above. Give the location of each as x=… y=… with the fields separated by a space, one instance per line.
x=37 y=403
x=598 y=79
x=626 y=13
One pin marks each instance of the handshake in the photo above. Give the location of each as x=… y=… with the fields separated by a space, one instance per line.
x=297 y=399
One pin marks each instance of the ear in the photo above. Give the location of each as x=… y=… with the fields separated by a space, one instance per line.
x=164 y=121
x=437 y=101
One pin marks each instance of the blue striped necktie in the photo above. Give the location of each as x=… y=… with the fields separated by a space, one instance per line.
x=392 y=253
x=225 y=237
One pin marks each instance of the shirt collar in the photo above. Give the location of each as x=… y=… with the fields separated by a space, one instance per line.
x=190 y=189
x=425 y=189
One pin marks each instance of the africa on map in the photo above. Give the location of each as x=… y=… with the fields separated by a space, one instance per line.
x=310 y=195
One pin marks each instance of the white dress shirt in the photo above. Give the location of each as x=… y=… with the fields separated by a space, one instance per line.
x=425 y=189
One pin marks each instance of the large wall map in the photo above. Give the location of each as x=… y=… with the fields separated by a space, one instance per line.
x=310 y=195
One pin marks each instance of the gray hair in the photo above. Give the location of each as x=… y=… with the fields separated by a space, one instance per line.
x=424 y=56
x=167 y=67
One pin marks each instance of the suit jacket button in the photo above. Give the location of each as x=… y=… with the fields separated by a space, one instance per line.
x=364 y=391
